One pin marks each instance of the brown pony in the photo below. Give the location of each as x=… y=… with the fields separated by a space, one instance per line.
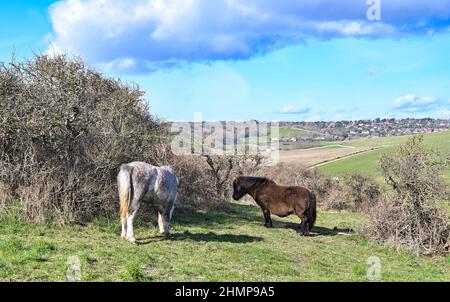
x=278 y=200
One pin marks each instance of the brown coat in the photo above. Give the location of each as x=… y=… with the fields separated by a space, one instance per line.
x=278 y=200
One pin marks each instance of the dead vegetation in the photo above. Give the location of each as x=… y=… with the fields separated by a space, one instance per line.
x=360 y=191
x=64 y=131
x=227 y=167
x=412 y=215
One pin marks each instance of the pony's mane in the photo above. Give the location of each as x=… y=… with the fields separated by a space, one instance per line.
x=251 y=181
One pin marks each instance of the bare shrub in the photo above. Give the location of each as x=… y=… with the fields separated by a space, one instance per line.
x=225 y=168
x=412 y=214
x=205 y=180
x=397 y=222
x=64 y=131
x=361 y=191
x=4 y=198
x=196 y=183
x=335 y=199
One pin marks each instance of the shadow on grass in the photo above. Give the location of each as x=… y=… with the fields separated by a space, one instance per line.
x=206 y=237
x=184 y=215
x=316 y=230
x=242 y=215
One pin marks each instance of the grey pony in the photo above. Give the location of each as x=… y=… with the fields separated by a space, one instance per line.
x=139 y=181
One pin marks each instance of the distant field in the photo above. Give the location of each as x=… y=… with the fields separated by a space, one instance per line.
x=367 y=163
x=314 y=156
x=293 y=132
x=283 y=132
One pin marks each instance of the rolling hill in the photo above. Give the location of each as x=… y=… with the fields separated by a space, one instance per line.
x=367 y=162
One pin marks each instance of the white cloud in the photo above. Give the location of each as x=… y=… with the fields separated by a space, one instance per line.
x=150 y=34
x=294 y=109
x=413 y=103
x=345 y=28
x=122 y=64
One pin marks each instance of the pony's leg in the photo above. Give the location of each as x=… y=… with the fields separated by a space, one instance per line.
x=305 y=222
x=306 y=227
x=171 y=212
x=124 y=229
x=131 y=214
x=163 y=222
x=130 y=232
x=267 y=219
x=303 y=228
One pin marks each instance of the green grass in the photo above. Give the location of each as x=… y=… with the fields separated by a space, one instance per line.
x=367 y=163
x=283 y=132
x=287 y=132
x=208 y=247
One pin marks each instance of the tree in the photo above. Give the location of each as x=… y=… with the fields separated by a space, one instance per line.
x=225 y=167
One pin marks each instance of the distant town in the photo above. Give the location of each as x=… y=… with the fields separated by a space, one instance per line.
x=304 y=135
x=346 y=130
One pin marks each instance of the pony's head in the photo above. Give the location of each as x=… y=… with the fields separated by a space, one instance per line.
x=239 y=190
x=244 y=184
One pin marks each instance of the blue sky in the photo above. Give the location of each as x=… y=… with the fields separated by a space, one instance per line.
x=254 y=59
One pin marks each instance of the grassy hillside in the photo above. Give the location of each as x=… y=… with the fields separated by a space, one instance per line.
x=293 y=132
x=367 y=162
x=208 y=247
x=283 y=132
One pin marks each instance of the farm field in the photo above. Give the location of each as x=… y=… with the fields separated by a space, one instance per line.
x=314 y=156
x=208 y=247
x=284 y=132
x=293 y=132
x=368 y=162
x=364 y=162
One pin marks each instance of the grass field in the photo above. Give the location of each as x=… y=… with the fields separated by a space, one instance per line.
x=313 y=156
x=367 y=163
x=208 y=247
x=287 y=132
x=283 y=132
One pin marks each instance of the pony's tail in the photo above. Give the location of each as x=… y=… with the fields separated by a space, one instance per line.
x=311 y=212
x=124 y=186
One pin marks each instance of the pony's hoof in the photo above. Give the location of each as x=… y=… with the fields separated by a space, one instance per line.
x=132 y=240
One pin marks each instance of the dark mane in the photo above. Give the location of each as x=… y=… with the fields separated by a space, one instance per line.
x=250 y=181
